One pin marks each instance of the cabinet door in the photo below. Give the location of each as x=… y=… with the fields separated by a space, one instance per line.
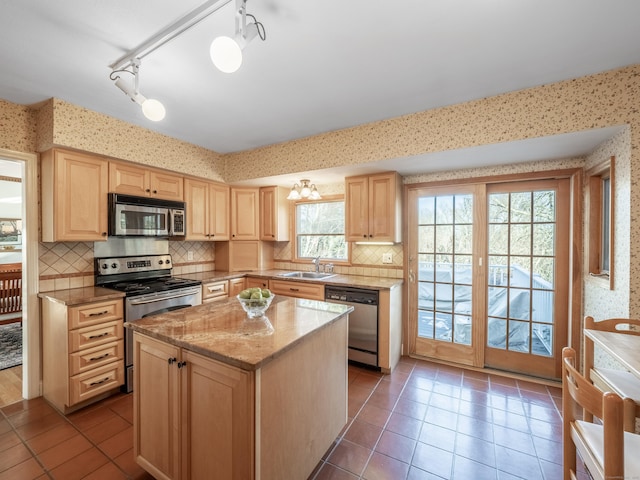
x=256 y=282
x=382 y=207
x=216 y=445
x=357 y=208
x=197 y=201
x=274 y=214
x=77 y=185
x=219 y=224
x=166 y=185
x=156 y=401
x=236 y=285
x=128 y=179
x=244 y=214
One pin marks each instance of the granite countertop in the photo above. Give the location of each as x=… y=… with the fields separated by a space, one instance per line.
x=78 y=296
x=222 y=330
x=376 y=283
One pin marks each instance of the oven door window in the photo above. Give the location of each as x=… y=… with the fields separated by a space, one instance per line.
x=135 y=220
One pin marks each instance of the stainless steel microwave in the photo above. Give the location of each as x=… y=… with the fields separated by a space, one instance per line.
x=131 y=216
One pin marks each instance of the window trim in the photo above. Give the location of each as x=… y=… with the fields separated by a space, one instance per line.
x=595 y=218
x=294 y=223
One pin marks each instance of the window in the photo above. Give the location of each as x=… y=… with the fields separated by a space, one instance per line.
x=320 y=230
x=600 y=220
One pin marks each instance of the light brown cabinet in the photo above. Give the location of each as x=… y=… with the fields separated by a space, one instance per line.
x=74 y=197
x=236 y=285
x=213 y=291
x=373 y=208
x=207 y=210
x=194 y=414
x=245 y=223
x=274 y=214
x=312 y=291
x=83 y=352
x=256 y=282
x=144 y=182
x=244 y=256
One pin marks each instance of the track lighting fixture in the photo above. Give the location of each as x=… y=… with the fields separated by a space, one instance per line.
x=151 y=108
x=226 y=52
x=304 y=191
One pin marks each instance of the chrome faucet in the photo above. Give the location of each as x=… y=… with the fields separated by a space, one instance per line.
x=316 y=262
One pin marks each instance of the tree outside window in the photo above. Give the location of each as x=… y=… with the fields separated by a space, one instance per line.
x=320 y=230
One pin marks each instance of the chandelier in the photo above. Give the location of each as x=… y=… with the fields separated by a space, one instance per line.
x=305 y=190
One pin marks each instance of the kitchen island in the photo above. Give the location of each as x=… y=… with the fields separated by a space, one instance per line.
x=219 y=395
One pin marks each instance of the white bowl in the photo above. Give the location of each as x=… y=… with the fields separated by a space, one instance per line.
x=255 y=307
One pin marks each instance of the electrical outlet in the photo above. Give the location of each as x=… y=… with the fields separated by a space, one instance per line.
x=387 y=258
x=190 y=255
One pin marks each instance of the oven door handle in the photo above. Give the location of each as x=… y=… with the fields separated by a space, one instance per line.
x=156 y=299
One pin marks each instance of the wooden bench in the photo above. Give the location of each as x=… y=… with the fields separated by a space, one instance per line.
x=10 y=293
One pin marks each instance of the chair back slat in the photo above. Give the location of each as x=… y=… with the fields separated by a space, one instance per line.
x=10 y=292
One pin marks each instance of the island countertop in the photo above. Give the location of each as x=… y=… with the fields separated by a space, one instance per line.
x=222 y=331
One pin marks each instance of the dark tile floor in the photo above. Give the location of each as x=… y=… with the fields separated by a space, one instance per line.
x=425 y=421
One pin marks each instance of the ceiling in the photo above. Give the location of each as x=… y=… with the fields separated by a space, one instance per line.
x=325 y=65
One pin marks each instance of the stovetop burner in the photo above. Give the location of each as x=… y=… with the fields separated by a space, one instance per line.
x=139 y=275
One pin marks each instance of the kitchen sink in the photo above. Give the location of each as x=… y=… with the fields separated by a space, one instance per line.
x=312 y=275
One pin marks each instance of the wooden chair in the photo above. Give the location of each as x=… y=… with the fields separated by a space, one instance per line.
x=624 y=383
x=10 y=297
x=607 y=450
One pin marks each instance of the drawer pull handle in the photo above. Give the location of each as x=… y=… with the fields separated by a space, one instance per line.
x=106 y=379
x=97 y=314
x=99 y=358
x=104 y=334
x=294 y=289
x=215 y=289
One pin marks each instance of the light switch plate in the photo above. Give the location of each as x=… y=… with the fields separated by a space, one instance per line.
x=190 y=255
x=387 y=258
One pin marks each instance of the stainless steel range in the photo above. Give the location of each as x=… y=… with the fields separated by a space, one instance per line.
x=150 y=289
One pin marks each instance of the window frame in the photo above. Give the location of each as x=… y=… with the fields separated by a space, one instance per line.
x=600 y=223
x=324 y=199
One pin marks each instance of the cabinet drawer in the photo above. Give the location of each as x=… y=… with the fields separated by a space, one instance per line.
x=90 y=358
x=95 y=335
x=256 y=282
x=95 y=382
x=215 y=291
x=95 y=313
x=297 y=289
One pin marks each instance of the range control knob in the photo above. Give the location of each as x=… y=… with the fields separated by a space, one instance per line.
x=105 y=266
x=114 y=265
x=167 y=261
x=160 y=262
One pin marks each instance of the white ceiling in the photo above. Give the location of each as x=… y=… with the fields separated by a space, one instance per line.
x=325 y=65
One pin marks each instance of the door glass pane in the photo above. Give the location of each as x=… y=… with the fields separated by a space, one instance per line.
x=521 y=243
x=445 y=239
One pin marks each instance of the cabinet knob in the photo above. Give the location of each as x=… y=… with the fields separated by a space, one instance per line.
x=370 y=236
x=182 y=364
x=104 y=234
x=148 y=190
x=364 y=236
x=172 y=360
x=155 y=191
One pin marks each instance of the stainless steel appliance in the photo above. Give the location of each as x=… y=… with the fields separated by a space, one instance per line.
x=150 y=289
x=145 y=217
x=363 y=321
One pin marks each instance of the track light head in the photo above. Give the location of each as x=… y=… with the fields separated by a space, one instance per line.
x=151 y=108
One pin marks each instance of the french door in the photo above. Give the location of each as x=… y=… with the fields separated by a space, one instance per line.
x=488 y=274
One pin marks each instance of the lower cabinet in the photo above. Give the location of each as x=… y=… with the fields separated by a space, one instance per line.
x=177 y=435
x=312 y=291
x=82 y=352
x=256 y=282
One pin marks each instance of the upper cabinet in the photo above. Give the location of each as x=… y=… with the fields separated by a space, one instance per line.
x=244 y=213
x=274 y=214
x=373 y=208
x=144 y=182
x=207 y=210
x=74 y=197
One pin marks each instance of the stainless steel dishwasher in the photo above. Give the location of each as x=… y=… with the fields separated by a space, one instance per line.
x=363 y=321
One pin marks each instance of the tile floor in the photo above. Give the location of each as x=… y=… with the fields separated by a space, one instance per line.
x=425 y=421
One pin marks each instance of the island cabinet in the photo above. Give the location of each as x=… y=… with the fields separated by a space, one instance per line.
x=221 y=396
x=373 y=208
x=74 y=196
x=144 y=182
x=245 y=224
x=207 y=210
x=274 y=214
x=194 y=415
x=82 y=351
